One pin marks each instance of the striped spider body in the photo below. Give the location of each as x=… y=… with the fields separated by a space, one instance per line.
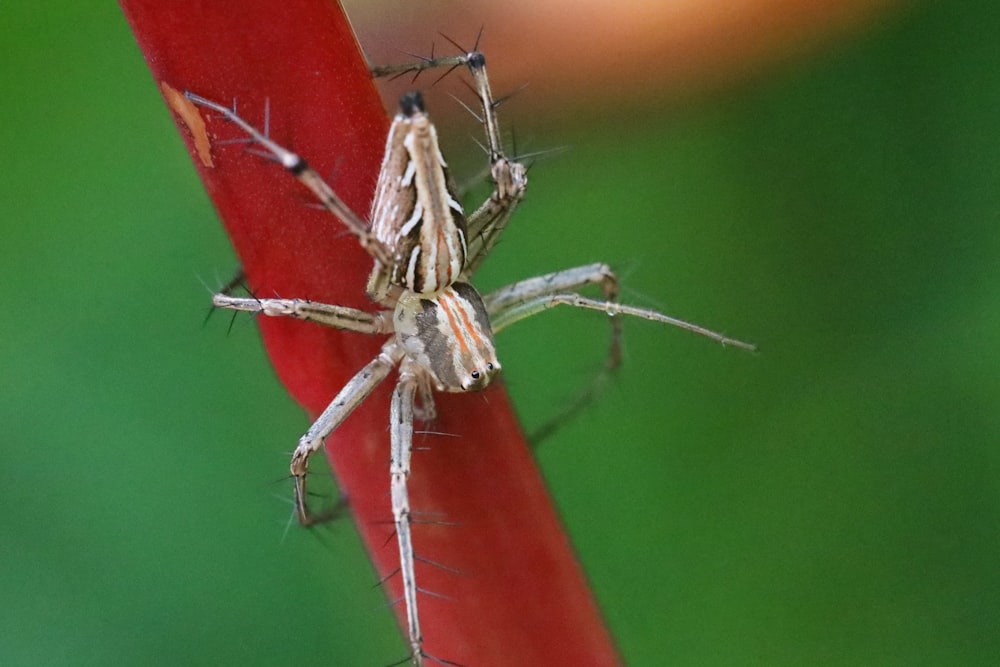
x=440 y=329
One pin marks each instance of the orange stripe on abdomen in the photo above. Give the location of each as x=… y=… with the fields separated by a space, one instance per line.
x=446 y=307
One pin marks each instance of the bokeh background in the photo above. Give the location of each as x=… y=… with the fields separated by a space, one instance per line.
x=834 y=198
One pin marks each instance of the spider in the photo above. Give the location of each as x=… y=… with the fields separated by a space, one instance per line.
x=440 y=329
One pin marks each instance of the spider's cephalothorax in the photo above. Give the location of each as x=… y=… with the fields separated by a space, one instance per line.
x=448 y=336
x=425 y=249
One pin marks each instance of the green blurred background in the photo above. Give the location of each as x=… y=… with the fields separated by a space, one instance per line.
x=832 y=500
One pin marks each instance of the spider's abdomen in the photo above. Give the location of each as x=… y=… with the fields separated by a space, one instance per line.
x=448 y=334
x=415 y=213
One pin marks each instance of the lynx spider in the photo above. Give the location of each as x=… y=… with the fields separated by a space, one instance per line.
x=441 y=329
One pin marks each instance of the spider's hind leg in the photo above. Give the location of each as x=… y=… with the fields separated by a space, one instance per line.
x=299 y=168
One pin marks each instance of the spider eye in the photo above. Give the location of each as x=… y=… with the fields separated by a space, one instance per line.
x=489 y=367
x=475 y=375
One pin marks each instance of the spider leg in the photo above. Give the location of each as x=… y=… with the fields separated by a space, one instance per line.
x=510 y=178
x=512 y=303
x=338 y=317
x=417 y=66
x=523 y=299
x=486 y=223
x=515 y=302
x=401 y=448
x=353 y=393
x=307 y=176
x=424 y=408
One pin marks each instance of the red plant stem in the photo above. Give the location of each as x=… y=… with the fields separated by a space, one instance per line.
x=521 y=597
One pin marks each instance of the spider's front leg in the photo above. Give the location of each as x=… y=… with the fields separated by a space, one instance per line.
x=515 y=302
x=401 y=449
x=525 y=298
x=354 y=392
